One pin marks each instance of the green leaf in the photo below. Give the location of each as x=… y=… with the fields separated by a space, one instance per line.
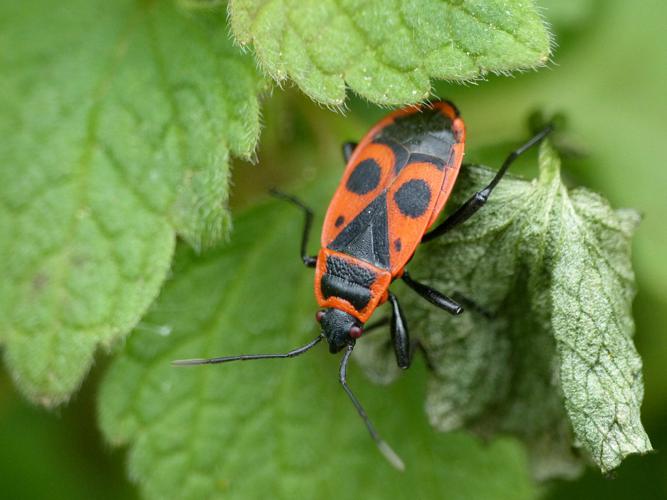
x=388 y=51
x=548 y=354
x=281 y=428
x=118 y=119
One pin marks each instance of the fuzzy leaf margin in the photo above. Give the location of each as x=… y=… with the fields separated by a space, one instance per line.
x=387 y=52
x=545 y=350
x=275 y=428
x=115 y=140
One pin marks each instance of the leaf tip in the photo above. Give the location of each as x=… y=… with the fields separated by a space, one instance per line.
x=549 y=162
x=629 y=219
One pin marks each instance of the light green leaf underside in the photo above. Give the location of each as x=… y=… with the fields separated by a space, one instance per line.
x=555 y=363
x=387 y=51
x=118 y=119
x=281 y=428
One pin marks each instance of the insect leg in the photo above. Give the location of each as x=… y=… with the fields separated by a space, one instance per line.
x=248 y=357
x=477 y=201
x=414 y=344
x=470 y=305
x=308 y=260
x=382 y=445
x=432 y=295
x=348 y=149
x=400 y=336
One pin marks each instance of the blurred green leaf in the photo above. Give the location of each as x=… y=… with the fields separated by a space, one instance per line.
x=388 y=51
x=59 y=457
x=282 y=428
x=117 y=121
x=568 y=15
x=548 y=354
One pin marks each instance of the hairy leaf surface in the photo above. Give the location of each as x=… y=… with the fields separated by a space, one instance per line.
x=545 y=352
x=118 y=119
x=276 y=428
x=387 y=51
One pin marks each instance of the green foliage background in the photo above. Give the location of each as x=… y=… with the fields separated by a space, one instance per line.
x=607 y=77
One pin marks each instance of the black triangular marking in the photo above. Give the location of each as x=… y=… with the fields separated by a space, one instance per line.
x=367 y=235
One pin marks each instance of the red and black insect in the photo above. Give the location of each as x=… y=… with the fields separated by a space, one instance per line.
x=396 y=183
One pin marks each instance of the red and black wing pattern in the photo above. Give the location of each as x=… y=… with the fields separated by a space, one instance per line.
x=395 y=185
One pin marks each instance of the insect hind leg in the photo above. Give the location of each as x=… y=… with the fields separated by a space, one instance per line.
x=477 y=200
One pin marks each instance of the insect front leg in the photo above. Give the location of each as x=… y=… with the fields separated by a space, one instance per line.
x=404 y=348
x=477 y=201
x=399 y=334
x=308 y=260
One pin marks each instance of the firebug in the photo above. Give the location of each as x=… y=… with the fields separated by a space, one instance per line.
x=395 y=185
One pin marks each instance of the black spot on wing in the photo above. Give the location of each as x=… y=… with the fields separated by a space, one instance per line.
x=367 y=235
x=398 y=245
x=413 y=198
x=339 y=221
x=364 y=178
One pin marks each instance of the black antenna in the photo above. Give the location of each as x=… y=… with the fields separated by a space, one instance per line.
x=247 y=357
x=382 y=445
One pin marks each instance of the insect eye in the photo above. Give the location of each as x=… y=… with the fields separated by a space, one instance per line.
x=355 y=332
x=319 y=315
